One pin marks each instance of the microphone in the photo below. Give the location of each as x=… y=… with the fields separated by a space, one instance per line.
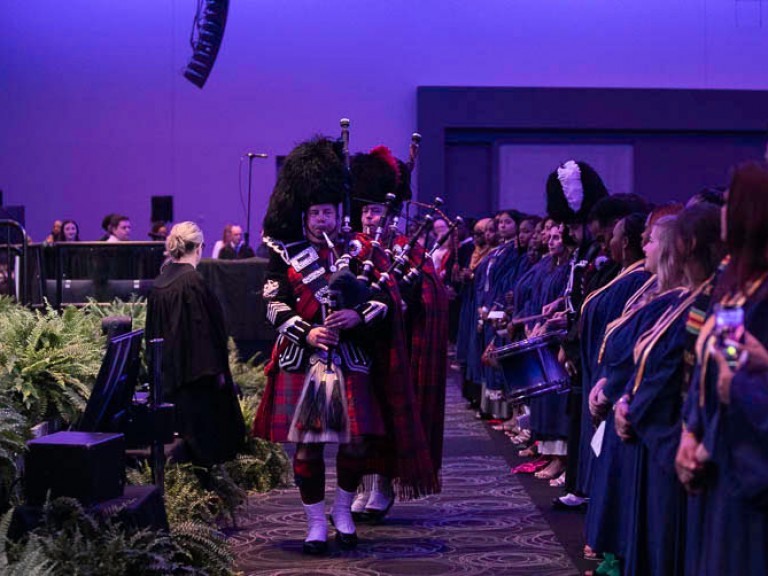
x=252 y=155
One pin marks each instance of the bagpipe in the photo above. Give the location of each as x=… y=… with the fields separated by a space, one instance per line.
x=396 y=261
x=321 y=414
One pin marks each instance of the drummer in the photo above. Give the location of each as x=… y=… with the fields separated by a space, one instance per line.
x=548 y=412
x=572 y=190
x=524 y=298
x=523 y=306
x=502 y=262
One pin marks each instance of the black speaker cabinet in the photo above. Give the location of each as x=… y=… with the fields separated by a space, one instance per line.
x=162 y=209
x=89 y=466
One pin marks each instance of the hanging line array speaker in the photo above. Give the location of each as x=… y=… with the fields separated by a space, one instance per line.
x=207 y=33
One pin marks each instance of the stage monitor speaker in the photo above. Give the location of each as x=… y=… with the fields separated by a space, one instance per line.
x=89 y=466
x=162 y=209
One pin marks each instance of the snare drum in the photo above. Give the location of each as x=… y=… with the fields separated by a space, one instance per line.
x=530 y=367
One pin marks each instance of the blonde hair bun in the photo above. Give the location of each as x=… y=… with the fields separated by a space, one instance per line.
x=183 y=238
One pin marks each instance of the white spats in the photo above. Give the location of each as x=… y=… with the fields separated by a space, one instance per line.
x=342 y=511
x=361 y=499
x=381 y=495
x=317 y=525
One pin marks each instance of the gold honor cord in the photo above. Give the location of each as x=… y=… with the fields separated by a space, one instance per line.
x=704 y=340
x=627 y=313
x=631 y=314
x=647 y=342
x=624 y=273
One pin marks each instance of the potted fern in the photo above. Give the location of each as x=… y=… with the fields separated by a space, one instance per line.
x=48 y=362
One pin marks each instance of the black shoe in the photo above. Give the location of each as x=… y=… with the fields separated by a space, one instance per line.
x=360 y=516
x=558 y=504
x=346 y=541
x=374 y=516
x=314 y=547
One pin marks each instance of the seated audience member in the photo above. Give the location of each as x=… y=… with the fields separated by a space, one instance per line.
x=70 y=232
x=119 y=228
x=55 y=232
x=226 y=238
x=237 y=249
x=158 y=231
x=105 y=225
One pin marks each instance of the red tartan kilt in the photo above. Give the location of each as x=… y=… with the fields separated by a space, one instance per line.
x=282 y=397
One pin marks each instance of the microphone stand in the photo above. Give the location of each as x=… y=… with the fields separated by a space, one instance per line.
x=251 y=156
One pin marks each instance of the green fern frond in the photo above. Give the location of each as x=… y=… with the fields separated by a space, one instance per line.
x=204 y=546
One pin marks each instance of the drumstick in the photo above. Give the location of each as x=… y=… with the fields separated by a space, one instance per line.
x=527 y=319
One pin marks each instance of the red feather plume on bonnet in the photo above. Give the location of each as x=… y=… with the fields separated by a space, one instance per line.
x=385 y=154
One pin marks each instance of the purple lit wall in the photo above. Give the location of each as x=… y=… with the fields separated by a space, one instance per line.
x=95 y=116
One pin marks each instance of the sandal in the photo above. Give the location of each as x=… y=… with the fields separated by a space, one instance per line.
x=553 y=470
x=557 y=482
x=522 y=438
x=529 y=452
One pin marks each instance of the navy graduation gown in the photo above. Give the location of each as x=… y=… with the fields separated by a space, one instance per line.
x=549 y=418
x=474 y=338
x=598 y=312
x=609 y=493
x=525 y=290
x=502 y=276
x=728 y=521
x=655 y=522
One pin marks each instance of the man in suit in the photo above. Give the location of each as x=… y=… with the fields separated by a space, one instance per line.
x=236 y=249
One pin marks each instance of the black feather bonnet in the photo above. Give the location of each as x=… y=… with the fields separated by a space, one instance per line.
x=572 y=190
x=313 y=173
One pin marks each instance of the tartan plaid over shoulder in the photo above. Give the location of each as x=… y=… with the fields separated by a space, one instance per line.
x=427 y=322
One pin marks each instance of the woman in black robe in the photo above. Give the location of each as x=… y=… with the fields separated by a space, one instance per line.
x=184 y=312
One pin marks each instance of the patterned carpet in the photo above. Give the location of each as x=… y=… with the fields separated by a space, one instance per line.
x=482 y=523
